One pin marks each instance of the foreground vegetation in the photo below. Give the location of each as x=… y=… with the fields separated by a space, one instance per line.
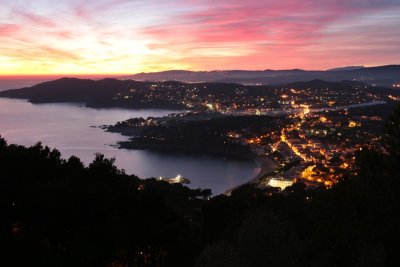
x=57 y=212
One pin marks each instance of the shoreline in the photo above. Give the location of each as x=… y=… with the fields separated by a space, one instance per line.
x=264 y=164
x=171 y=149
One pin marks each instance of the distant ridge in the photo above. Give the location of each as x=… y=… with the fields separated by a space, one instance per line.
x=380 y=75
x=347 y=68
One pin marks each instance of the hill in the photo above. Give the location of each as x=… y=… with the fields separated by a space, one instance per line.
x=71 y=90
x=183 y=96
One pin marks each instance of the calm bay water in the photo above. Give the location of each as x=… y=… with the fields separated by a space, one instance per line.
x=67 y=128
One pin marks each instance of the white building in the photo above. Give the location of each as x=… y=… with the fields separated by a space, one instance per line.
x=280 y=182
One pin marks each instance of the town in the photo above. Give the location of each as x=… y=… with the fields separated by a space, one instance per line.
x=311 y=130
x=251 y=99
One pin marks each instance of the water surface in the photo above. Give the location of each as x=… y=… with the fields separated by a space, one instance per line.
x=67 y=128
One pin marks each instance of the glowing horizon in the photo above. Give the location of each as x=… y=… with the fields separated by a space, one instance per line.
x=120 y=37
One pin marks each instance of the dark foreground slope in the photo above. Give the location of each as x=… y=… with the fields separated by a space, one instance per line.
x=57 y=212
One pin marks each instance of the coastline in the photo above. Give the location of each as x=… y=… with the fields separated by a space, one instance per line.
x=131 y=144
x=264 y=164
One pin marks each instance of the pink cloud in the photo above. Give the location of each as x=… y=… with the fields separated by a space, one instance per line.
x=65 y=34
x=269 y=30
x=238 y=23
x=8 y=29
x=35 y=19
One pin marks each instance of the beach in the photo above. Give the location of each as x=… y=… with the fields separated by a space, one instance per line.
x=265 y=165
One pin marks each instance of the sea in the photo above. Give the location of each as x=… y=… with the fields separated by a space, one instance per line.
x=73 y=129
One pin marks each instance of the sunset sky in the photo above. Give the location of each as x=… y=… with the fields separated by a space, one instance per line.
x=122 y=36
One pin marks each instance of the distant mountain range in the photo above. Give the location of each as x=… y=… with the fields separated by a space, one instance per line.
x=347 y=68
x=381 y=75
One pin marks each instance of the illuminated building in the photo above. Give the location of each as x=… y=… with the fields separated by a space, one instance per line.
x=280 y=182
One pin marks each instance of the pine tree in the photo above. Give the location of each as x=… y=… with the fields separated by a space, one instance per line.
x=392 y=133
